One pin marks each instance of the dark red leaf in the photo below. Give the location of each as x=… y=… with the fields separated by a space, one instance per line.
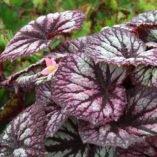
x=9 y=110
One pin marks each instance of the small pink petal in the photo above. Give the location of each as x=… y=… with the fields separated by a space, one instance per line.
x=48 y=61
x=45 y=71
x=53 y=62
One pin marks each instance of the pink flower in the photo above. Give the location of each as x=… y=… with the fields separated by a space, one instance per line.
x=52 y=66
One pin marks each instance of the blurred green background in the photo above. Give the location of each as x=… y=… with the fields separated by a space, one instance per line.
x=16 y=13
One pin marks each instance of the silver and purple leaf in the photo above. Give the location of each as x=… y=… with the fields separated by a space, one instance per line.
x=55 y=117
x=149 y=17
x=73 y=46
x=148 y=34
x=121 y=47
x=43 y=93
x=144 y=75
x=148 y=148
x=26 y=78
x=67 y=143
x=24 y=136
x=89 y=91
x=38 y=34
x=138 y=121
x=123 y=26
x=145 y=25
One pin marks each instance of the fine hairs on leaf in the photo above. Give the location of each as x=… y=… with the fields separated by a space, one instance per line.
x=95 y=96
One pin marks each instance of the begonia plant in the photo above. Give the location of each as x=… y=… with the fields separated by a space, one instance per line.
x=96 y=96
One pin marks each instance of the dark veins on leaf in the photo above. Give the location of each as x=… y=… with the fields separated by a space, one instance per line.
x=147 y=33
x=28 y=74
x=87 y=90
x=120 y=46
x=24 y=135
x=145 y=75
x=54 y=114
x=73 y=46
x=139 y=120
x=145 y=18
x=38 y=34
x=145 y=26
x=146 y=149
x=140 y=110
x=67 y=142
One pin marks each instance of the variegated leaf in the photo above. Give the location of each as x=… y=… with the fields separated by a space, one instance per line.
x=149 y=17
x=121 y=47
x=38 y=34
x=73 y=46
x=145 y=25
x=25 y=78
x=123 y=26
x=89 y=91
x=145 y=75
x=67 y=143
x=54 y=113
x=148 y=34
x=147 y=148
x=24 y=136
x=138 y=121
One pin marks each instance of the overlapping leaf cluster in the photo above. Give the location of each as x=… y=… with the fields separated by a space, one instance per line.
x=100 y=101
